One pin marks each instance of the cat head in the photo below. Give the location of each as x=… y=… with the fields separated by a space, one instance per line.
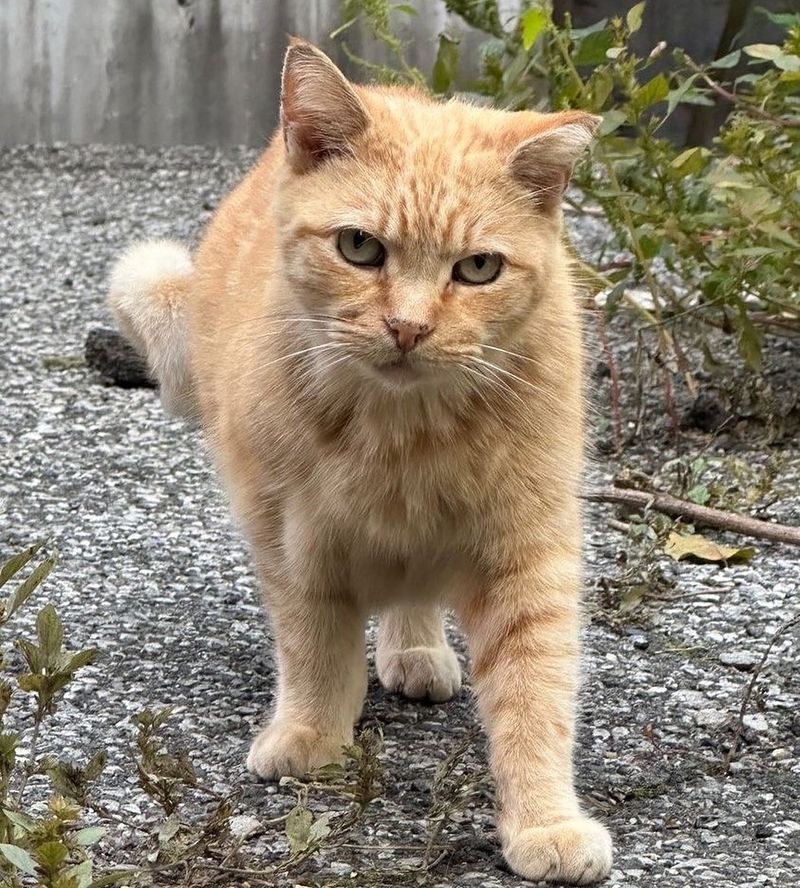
x=418 y=234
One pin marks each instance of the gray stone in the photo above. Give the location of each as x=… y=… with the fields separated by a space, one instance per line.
x=711 y=718
x=243 y=826
x=744 y=660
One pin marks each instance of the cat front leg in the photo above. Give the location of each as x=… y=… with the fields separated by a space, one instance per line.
x=413 y=656
x=322 y=681
x=523 y=633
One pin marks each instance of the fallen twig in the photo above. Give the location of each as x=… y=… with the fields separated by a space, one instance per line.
x=621 y=526
x=696 y=514
x=748 y=693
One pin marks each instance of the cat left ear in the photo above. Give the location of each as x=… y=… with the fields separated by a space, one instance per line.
x=543 y=163
x=320 y=111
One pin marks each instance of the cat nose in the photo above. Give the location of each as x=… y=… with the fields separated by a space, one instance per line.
x=407 y=334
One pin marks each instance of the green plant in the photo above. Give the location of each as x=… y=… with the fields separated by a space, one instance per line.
x=722 y=219
x=49 y=845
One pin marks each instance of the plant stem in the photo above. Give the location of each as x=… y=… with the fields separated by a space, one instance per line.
x=30 y=765
x=747 y=107
x=739 y=730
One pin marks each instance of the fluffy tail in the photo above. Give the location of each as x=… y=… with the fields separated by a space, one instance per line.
x=148 y=293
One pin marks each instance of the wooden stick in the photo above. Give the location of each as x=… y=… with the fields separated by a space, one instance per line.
x=696 y=514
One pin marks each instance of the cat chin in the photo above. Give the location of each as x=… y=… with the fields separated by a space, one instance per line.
x=403 y=374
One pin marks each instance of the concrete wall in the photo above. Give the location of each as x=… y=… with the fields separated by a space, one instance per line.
x=161 y=72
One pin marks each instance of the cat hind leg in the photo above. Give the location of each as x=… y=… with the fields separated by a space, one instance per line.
x=413 y=657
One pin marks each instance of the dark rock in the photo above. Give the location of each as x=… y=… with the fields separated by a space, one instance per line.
x=706 y=413
x=763 y=830
x=116 y=360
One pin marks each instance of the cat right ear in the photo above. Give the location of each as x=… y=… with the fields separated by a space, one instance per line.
x=320 y=111
x=543 y=162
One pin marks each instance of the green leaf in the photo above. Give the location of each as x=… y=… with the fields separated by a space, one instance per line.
x=8 y=747
x=612 y=120
x=17 y=562
x=5 y=697
x=31 y=653
x=51 y=855
x=82 y=873
x=699 y=494
x=19 y=858
x=329 y=772
x=445 y=68
x=727 y=61
x=90 y=836
x=593 y=47
x=74 y=661
x=749 y=345
x=767 y=51
x=298 y=828
x=689 y=162
x=601 y=85
x=405 y=8
x=580 y=33
x=533 y=23
x=320 y=828
x=771 y=52
x=22 y=821
x=51 y=634
x=31 y=682
x=696 y=547
x=95 y=765
x=633 y=18
x=29 y=585
x=652 y=92
x=784 y=19
x=675 y=96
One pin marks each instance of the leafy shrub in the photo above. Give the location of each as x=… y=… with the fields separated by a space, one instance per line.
x=49 y=843
x=723 y=220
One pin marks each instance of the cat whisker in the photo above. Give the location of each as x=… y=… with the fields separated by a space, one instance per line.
x=541 y=392
x=498 y=382
x=513 y=354
x=274 y=320
x=476 y=388
x=295 y=354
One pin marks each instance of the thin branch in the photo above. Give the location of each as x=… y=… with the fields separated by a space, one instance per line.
x=748 y=107
x=748 y=693
x=616 y=412
x=696 y=514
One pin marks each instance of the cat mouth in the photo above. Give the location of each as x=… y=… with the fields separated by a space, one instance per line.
x=401 y=368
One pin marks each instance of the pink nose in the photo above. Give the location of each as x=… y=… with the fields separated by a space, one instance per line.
x=407 y=334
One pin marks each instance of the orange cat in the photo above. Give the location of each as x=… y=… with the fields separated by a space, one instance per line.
x=381 y=339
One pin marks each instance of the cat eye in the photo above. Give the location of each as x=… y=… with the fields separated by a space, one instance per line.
x=360 y=247
x=482 y=268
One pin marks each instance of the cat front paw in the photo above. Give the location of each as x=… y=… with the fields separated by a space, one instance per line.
x=577 y=851
x=420 y=672
x=283 y=749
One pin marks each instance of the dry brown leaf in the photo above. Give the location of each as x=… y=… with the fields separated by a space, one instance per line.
x=697 y=547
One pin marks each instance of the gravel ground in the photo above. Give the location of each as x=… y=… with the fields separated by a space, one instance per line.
x=154 y=574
